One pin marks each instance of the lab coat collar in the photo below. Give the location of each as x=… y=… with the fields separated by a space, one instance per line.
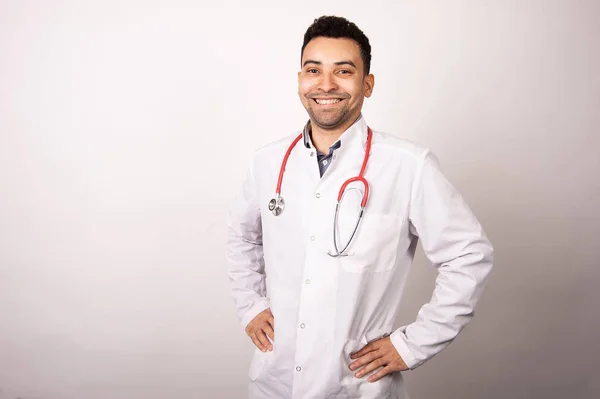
x=355 y=133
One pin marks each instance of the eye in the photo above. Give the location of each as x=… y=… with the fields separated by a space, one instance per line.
x=312 y=70
x=344 y=72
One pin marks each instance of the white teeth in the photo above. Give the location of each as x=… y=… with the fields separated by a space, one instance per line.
x=324 y=102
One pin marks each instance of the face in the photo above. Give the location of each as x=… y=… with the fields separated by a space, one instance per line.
x=332 y=85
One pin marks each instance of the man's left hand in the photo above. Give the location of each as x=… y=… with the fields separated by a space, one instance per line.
x=377 y=354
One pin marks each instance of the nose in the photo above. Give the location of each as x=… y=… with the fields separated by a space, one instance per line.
x=327 y=83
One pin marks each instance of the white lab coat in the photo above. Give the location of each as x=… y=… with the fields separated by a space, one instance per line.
x=326 y=308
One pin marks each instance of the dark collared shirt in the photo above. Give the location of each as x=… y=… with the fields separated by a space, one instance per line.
x=324 y=160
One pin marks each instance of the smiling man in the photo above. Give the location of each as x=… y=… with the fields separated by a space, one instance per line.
x=318 y=278
x=332 y=85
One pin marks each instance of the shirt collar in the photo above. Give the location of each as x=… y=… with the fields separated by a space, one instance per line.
x=357 y=130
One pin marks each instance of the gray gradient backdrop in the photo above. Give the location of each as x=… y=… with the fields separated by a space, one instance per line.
x=125 y=128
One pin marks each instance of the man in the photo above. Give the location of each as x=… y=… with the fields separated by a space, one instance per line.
x=318 y=296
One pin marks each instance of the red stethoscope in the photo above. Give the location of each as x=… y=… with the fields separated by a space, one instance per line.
x=277 y=204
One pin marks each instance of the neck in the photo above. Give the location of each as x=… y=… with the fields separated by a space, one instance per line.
x=322 y=139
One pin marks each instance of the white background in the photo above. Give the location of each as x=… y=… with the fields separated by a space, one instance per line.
x=126 y=126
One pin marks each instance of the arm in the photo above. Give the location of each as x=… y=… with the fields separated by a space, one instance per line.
x=454 y=241
x=244 y=252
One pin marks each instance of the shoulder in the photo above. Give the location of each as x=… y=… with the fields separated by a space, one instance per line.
x=276 y=146
x=399 y=147
x=265 y=155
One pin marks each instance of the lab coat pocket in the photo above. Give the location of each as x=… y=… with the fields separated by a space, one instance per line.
x=376 y=334
x=354 y=387
x=381 y=387
x=256 y=365
x=375 y=244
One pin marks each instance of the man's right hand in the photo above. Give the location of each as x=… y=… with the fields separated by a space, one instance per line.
x=260 y=327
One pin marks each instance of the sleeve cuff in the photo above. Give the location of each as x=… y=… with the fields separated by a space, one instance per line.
x=257 y=307
x=399 y=341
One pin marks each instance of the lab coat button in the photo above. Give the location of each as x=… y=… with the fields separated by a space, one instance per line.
x=318 y=195
x=312 y=154
x=307 y=281
x=312 y=238
x=298 y=368
x=302 y=325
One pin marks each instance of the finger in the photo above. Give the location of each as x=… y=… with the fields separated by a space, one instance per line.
x=380 y=374
x=257 y=342
x=249 y=329
x=271 y=321
x=374 y=364
x=269 y=331
x=366 y=349
x=260 y=334
x=365 y=359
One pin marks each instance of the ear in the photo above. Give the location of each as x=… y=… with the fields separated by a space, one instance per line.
x=369 y=85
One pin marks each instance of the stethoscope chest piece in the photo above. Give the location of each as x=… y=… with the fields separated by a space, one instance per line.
x=276 y=205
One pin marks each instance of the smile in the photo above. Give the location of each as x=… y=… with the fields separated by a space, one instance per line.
x=327 y=101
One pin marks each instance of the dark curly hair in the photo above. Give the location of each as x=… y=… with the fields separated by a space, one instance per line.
x=338 y=27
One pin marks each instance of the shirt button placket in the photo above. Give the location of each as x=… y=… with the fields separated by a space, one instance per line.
x=304 y=336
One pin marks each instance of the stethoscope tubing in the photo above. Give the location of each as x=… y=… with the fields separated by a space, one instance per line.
x=276 y=205
x=284 y=164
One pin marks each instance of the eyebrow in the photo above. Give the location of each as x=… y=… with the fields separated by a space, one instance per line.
x=346 y=63
x=336 y=63
x=311 y=62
